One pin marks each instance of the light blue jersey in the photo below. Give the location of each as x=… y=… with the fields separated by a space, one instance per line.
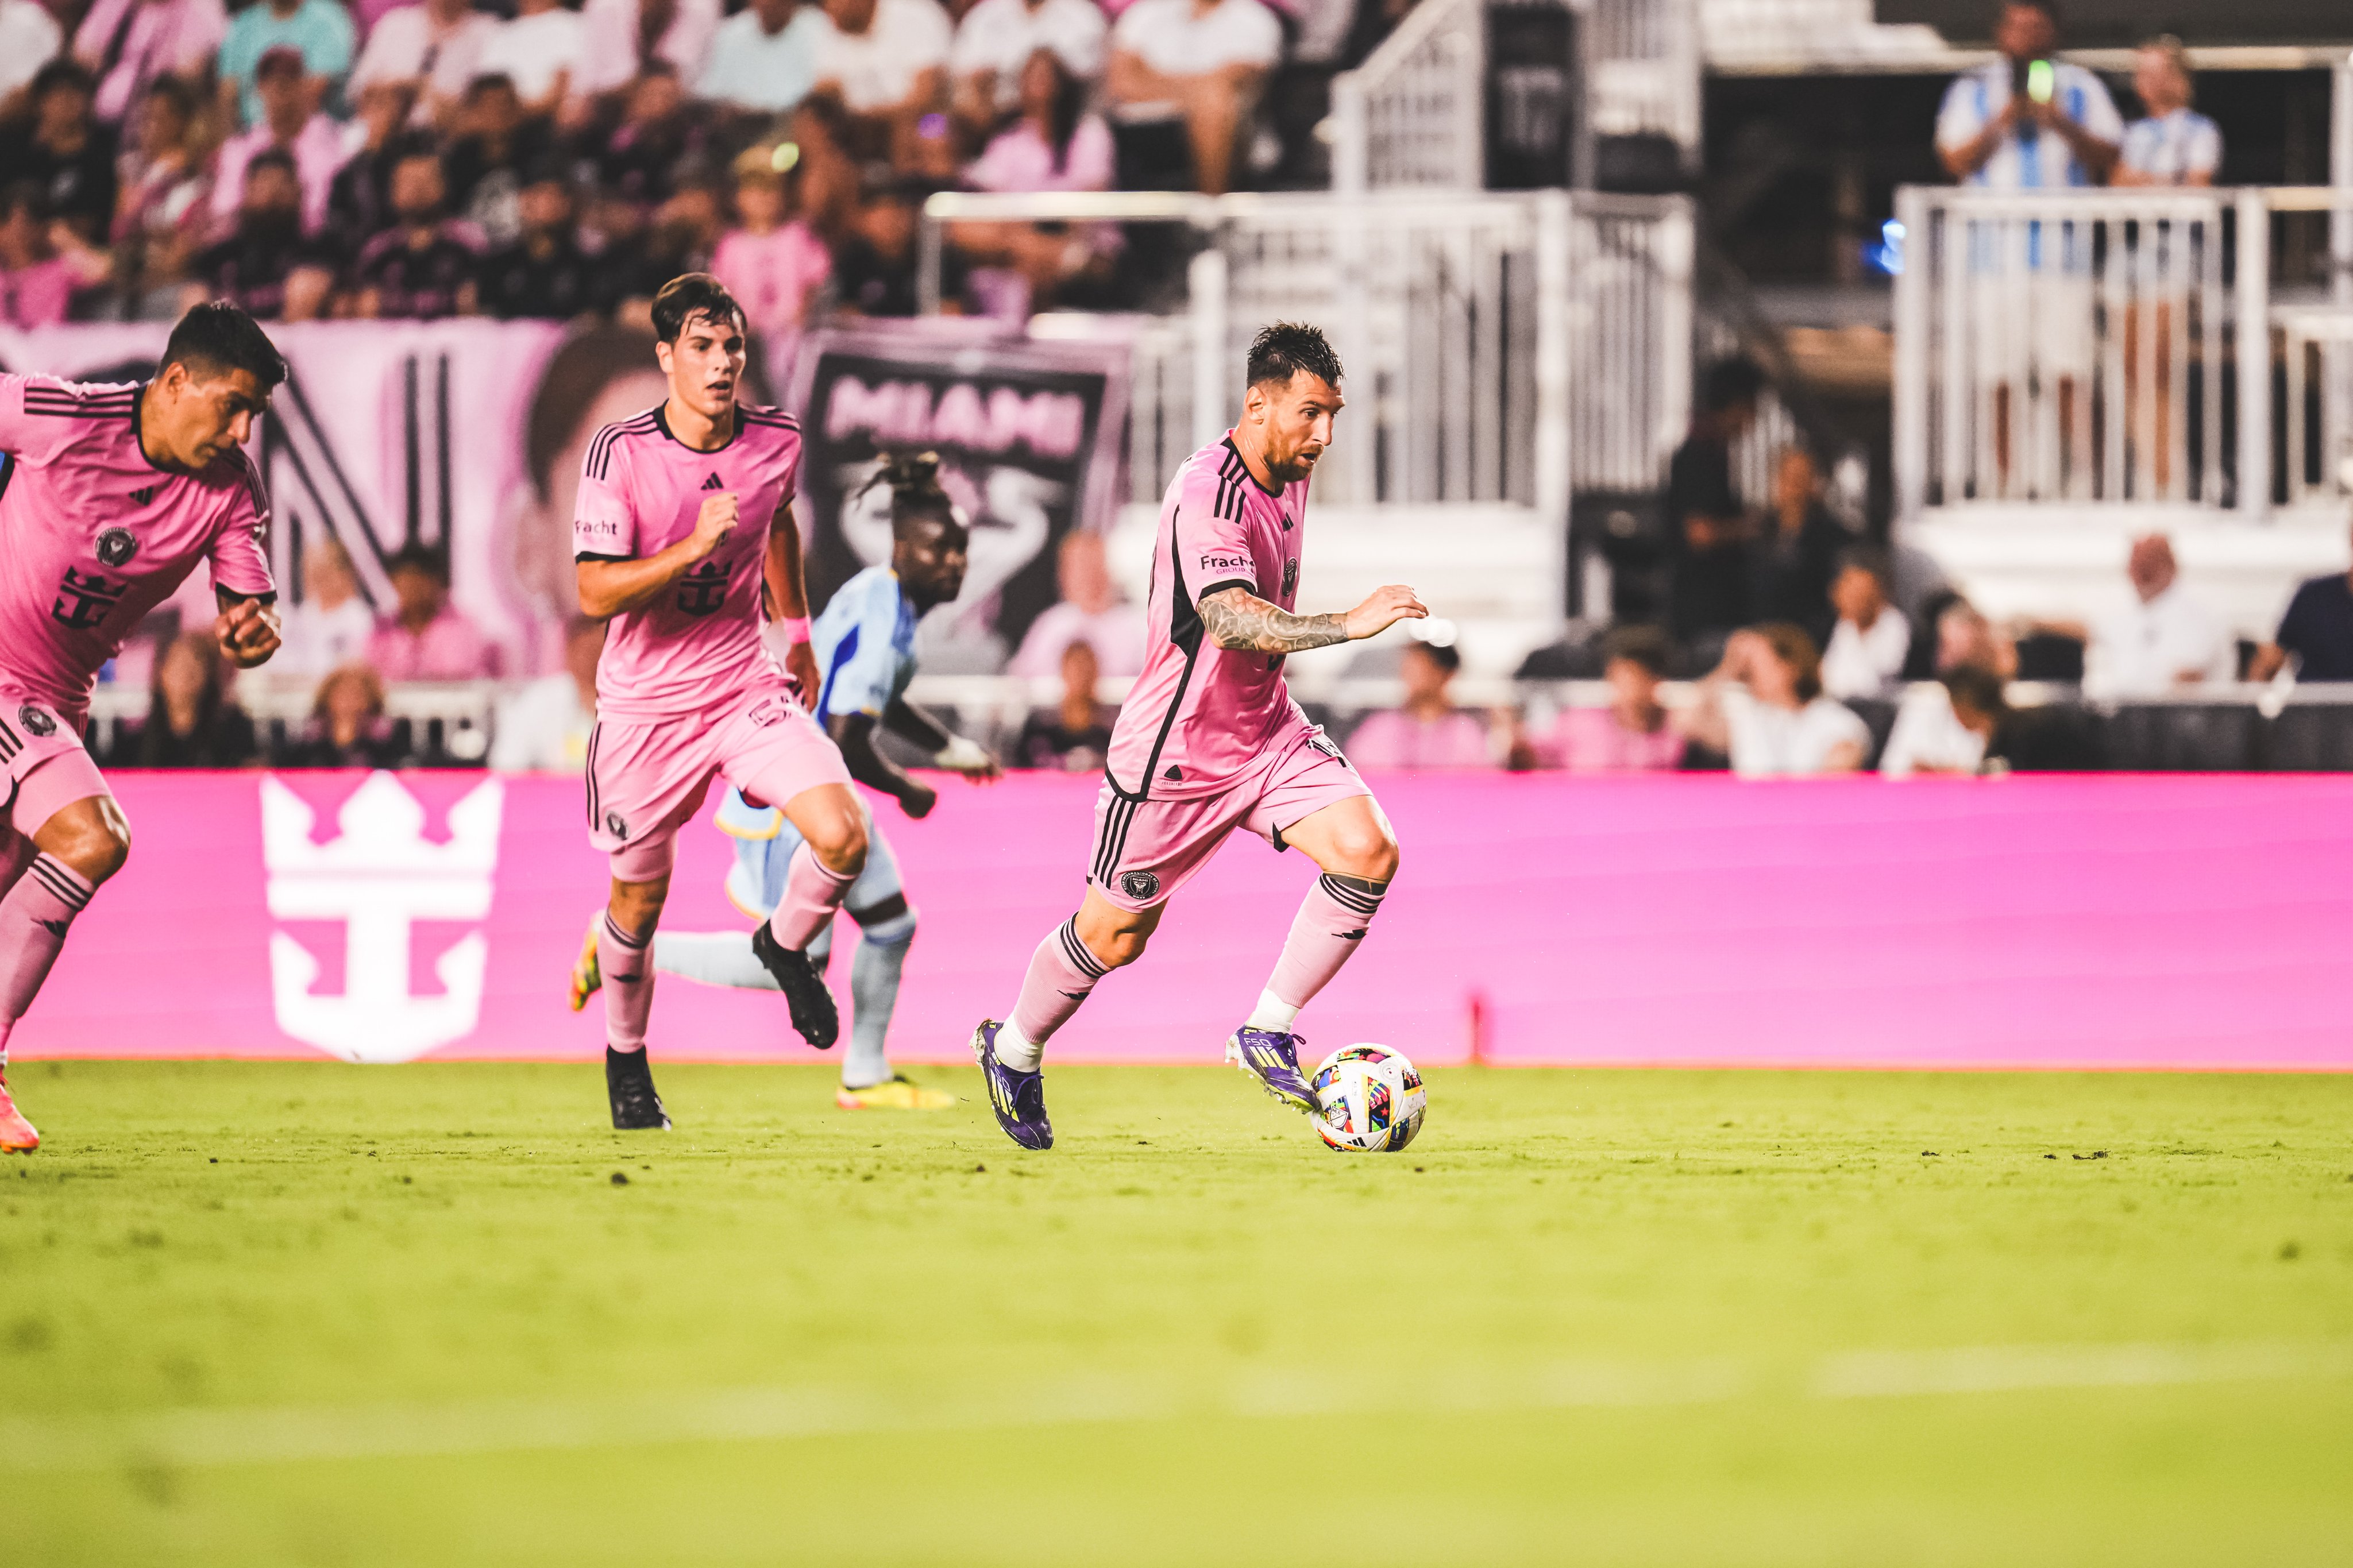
x=865 y=644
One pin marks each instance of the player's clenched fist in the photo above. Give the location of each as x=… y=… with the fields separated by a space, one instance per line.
x=714 y=523
x=246 y=632
x=1385 y=608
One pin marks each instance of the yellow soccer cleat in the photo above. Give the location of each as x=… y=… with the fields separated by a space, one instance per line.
x=892 y=1094
x=587 y=977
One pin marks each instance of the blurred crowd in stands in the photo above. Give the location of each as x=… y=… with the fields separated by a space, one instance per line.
x=540 y=158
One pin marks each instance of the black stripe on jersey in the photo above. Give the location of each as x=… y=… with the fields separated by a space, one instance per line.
x=9 y=745
x=592 y=555
x=251 y=473
x=762 y=414
x=595 y=731
x=1222 y=583
x=1185 y=630
x=600 y=450
x=1228 y=501
x=75 y=408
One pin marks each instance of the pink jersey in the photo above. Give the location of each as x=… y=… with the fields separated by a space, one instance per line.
x=640 y=489
x=1199 y=714
x=93 y=535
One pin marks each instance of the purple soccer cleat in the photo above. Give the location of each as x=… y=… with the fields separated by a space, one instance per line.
x=1018 y=1098
x=1271 y=1057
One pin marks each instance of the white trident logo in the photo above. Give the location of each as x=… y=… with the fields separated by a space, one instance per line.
x=377 y=876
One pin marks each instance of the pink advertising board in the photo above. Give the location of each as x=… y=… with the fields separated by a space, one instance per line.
x=2182 y=922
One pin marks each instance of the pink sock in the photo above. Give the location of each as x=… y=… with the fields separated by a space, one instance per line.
x=1330 y=926
x=33 y=919
x=811 y=895
x=1061 y=972
x=629 y=985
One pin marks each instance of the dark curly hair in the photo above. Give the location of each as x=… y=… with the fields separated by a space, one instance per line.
x=916 y=494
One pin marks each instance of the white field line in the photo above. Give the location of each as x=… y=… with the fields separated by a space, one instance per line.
x=203 y=1439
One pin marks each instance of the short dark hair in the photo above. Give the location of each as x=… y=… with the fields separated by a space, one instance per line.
x=1974 y=686
x=27 y=196
x=689 y=295
x=2048 y=8
x=1794 y=645
x=1730 y=383
x=1444 y=655
x=175 y=91
x=272 y=158
x=1645 y=646
x=62 y=71
x=1283 y=349
x=217 y=337
x=1868 y=558
x=424 y=558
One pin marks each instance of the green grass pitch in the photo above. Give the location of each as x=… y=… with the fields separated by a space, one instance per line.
x=257 y=1314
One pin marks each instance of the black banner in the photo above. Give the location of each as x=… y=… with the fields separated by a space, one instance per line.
x=1029 y=436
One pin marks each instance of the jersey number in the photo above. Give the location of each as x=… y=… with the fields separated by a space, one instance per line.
x=702 y=591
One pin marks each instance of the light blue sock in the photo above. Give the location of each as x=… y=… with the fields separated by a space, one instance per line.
x=712 y=957
x=874 y=993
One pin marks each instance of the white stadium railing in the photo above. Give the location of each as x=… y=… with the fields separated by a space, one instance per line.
x=2119 y=349
x=1414 y=113
x=1642 y=70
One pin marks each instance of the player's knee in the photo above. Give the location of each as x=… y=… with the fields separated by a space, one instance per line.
x=1369 y=852
x=96 y=845
x=840 y=844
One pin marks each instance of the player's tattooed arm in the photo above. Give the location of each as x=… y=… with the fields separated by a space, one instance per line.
x=1239 y=619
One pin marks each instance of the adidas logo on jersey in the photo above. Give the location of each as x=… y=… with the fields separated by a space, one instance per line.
x=1175 y=773
x=144 y=494
x=713 y=483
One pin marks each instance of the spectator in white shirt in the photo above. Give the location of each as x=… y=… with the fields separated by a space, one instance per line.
x=2176 y=145
x=1946 y=727
x=29 y=39
x=129 y=44
x=2164 y=640
x=1764 y=707
x=885 y=63
x=435 y=46
x=333 y=625
x=996 y=39
x=1203 y=62
x=764 y=61
x=625 y=35
x=542 y=51
x=1090 y=612
x=289 y=122
x=545 y=726
x=1868 y=645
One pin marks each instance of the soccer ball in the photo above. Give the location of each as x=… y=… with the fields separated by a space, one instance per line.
x=1368 y=1098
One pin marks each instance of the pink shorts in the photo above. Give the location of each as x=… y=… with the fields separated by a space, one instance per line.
x=647 y=777
x=45 y=768
x=1147 y=849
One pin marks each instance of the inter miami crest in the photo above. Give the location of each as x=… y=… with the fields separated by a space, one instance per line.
x=616 y=825
x=1291 y=577
x=1139 y=885
x=35 y=722
x=116 y=546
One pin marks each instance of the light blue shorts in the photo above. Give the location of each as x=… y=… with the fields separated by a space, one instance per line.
x=764 y=842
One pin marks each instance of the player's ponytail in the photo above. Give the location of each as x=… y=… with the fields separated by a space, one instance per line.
x=915 y=488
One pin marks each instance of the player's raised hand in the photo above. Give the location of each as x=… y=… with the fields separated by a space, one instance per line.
x=1383 y=609
x=714 y=523
x=918 y=799
x=246 y=632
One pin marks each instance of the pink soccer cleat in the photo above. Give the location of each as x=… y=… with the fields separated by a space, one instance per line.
x=16 y=1134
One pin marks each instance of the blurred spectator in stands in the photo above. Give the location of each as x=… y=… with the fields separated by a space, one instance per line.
x=191 y=722
x=43 y=262
x=826 y=181
x=544 y=726
x=1708 y=528
x=1197 y=64
x=1633 y=735
x=421 y=269
x=496 y=141
x=359 y=203
x=1091 y=611
x=1426 y=731
x=2175 y=145
x=1763 y=707
x=162 y=212
x=129 y=46
x=2165 y=640
x=347 y=728
x=320 y=31
x=1868 y=644
x=545 y=273
x=682 y=238
x=544 y=51
x=1054 y=145
x=1797 y=555
x=333 y=626
x=1966 y=638
x=427 y=637
x=885 y=63
x=639 y=163
x=766 y=59
x=771 y=261
x=29 y=39
x=291 y=123
x=874 y=268
x=266 y=267
x=434 y=47
x=994 y=42
x=1947 y=726
x=64 y=151
x=2316 y=632
x=1995 y=130
x=628 y=38
x=1073 y=736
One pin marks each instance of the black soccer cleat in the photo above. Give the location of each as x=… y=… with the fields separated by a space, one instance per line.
x=629 y=1085
x=811 y=1004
